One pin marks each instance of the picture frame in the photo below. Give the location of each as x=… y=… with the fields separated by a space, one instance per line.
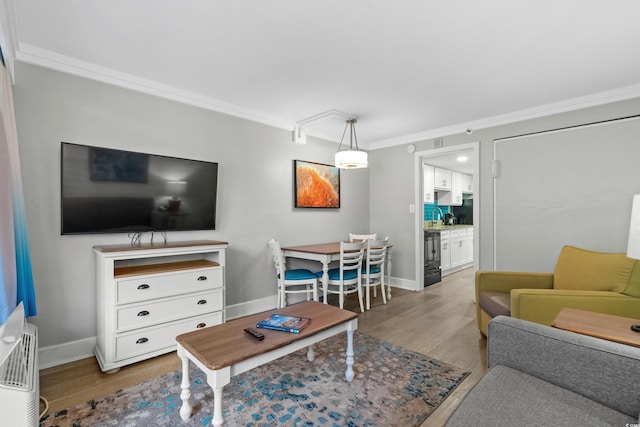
x=316 y=185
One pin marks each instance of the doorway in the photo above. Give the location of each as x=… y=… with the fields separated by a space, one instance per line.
x=444 y=156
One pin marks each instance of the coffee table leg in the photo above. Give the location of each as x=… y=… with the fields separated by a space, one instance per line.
x=349 y=374
x=310 y=354
x=217 y=380
x=217 y=407
x=185 y=394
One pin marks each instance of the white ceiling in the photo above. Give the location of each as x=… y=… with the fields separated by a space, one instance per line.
x=408 y=69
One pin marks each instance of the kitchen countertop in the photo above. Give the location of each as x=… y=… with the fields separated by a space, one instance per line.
x=440 y=226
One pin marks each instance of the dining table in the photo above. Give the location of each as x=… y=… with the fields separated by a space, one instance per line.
x=325 y=253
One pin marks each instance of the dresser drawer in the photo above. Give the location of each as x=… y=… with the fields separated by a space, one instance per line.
x=160 y=311
x=133 y=344
x=144 y=288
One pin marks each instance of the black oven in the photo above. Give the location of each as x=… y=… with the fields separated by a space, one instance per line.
x=432 y=272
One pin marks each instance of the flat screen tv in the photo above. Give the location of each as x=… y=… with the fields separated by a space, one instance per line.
x=115 y=191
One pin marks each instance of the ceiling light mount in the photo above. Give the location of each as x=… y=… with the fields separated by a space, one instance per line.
x=351 y=158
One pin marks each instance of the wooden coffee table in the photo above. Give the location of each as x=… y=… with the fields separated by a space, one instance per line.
x=599 y=325
x=224 y=351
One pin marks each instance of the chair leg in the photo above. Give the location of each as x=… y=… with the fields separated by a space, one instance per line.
x=315 y=291
x=360 y=296
x=384 y=297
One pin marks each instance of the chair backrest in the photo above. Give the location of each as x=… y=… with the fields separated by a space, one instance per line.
x=278 y=259
x=360 y=237
x=376 y=253
x=351 y=255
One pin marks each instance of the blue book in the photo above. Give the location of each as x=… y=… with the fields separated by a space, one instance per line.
x=279 y=322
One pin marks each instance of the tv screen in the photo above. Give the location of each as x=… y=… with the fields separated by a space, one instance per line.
x=115 y=191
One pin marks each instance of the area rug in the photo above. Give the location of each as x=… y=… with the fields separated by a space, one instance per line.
x=392 y=387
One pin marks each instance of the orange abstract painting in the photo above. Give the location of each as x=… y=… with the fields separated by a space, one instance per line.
x=316 y=185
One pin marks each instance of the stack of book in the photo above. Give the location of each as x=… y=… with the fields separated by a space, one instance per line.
x=280 y=322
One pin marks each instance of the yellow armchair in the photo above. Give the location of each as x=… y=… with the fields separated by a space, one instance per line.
x=582 y=279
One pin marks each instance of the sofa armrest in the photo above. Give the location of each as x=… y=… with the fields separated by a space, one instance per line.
x=543 y=305
x=505 y=281
x=603 y=371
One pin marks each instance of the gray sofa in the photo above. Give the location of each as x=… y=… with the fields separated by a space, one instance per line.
x=542 y=376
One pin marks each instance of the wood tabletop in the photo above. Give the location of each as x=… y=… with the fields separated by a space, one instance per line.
x=227 y=344
x=599 y=325
x=318 y=248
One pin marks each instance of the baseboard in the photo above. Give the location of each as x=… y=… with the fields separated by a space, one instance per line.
x=60 y=354
x=407 y=284
x=252 y=307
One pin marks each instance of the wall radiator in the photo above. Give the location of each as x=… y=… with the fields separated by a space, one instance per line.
x=19 y=375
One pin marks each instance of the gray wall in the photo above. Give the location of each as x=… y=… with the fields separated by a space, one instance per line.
x=392 y=186
x=254 y=188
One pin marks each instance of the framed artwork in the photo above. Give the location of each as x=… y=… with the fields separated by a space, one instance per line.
x=116 y=165
x=316 y=185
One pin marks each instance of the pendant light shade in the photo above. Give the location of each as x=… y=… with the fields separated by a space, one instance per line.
x=351 y=158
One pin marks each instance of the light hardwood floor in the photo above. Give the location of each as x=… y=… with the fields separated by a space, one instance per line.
x=438 y=321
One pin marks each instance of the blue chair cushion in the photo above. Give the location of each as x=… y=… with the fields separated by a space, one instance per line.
x=334 y=274
x=298 y=274
x=374 y=270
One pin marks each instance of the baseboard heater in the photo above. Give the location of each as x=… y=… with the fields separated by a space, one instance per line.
x=19 y=374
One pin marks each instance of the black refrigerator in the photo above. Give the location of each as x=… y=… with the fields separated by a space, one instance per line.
x=432 y=272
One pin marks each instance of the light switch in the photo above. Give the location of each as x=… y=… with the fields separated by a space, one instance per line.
x=412 y=209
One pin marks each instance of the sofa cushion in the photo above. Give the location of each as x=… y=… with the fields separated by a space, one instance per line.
x=495 y=303
x=581 y=269
x=505 y=396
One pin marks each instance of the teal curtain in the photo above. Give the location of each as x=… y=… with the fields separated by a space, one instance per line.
x=16 y=278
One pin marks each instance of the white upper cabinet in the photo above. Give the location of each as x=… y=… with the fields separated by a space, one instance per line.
x=442 y=179
x=467 y=183
x=428 y=183
x=453 y=197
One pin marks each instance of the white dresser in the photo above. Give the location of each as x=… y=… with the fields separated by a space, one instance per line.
x=149 y=294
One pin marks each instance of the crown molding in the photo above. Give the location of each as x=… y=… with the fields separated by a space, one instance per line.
x=48 y=59
x=593 y=100
x=44 y=58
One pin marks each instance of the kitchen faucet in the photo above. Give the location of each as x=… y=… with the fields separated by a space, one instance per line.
x=433 y=211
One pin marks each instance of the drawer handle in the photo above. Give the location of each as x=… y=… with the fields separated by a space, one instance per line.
x=144 y=286
x=201 y=325
x=202 y=301
x=143 y=313
x=202 y=278
x=142 y=340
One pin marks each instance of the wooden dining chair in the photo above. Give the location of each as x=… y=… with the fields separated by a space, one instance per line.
x=373 y=266
x=293 y=281
x=361 y=237
x=347 y=278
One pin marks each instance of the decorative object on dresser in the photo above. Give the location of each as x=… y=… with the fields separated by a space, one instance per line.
x=149 y=294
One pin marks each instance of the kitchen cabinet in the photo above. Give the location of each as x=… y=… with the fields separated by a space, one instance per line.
x=456 y=249
x=428 y=183
x=454 y=196
x=445 y=252
x=467 y=183
x=442 y=179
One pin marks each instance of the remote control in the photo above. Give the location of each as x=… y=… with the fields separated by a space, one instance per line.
x=257 y=335
x=635 y=328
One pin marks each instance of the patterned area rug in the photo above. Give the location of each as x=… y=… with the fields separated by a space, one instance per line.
x=392 y=387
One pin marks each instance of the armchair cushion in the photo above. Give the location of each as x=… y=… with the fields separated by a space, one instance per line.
x=581 y=269
x=545 y=376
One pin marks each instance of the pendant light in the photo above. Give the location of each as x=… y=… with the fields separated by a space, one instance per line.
x=351 y=158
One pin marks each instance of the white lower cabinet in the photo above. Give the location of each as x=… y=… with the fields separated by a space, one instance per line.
x=147 y=295
x=456 y=249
